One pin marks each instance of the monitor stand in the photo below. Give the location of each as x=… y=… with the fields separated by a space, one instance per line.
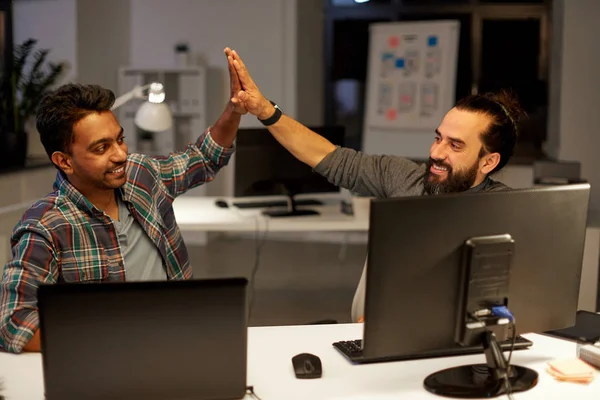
x=482 y=380
x=291 y=210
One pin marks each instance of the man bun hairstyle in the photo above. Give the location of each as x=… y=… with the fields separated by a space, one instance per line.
x=506 y=114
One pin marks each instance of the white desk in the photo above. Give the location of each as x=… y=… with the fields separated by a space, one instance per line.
x=201 y=214
x=270 y=350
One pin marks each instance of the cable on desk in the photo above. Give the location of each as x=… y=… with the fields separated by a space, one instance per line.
x=259 y=242
x=512 y=347
x=503 y=311
x=258 y=245
x=250 y=391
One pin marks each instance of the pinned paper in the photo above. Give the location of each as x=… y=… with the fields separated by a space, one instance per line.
x=432 y=41
x=391 y=114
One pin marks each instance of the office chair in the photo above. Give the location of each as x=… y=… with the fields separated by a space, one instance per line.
x=557 y=172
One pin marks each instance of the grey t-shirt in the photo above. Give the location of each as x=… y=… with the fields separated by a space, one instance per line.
x=141 y=257
x=380 y=176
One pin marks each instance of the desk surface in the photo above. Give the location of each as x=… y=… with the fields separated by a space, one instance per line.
x=201 y=214
x=270 y=350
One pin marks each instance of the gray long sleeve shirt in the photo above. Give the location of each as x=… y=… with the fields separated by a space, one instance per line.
x=380 y=176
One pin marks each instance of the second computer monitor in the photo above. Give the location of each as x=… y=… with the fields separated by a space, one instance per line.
x=263 y=167
x=415 y=259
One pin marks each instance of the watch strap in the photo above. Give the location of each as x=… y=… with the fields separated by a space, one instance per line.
x=273 y=118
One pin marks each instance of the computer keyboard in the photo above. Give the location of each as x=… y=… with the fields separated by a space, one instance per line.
x=352 y=349
x=276 y=203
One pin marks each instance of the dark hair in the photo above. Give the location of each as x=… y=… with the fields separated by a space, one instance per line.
x=505 y=111
x=62 y=108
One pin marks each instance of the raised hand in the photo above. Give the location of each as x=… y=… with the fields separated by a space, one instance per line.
x=249 y=95
x=234 y=85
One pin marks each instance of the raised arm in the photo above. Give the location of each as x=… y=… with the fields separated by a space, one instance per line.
x=202 y=160
x=224 y=130
x=306 y=145
x=367 y=175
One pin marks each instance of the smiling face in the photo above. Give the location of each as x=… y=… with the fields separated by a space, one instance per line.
x=456 y=160
x=97 y=157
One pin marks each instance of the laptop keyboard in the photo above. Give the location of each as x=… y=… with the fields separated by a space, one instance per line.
x=352 y=349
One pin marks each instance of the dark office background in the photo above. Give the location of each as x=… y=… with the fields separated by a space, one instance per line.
x=503 y=44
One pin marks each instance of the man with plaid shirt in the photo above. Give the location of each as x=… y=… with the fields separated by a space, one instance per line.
x=110 y=216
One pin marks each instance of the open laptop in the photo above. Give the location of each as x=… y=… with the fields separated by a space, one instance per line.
x=145 y=340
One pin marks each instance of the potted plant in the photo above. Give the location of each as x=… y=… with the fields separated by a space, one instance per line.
x=30 y=79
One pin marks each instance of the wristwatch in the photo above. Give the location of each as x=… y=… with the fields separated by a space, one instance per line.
x=273 y=118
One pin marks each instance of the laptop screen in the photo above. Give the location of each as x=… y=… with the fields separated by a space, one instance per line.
x=151 y=340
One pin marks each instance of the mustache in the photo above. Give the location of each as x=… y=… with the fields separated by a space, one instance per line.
x=116 y=167
x=431 y=162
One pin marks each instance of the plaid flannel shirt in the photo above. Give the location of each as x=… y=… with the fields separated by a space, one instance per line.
x=64 y=238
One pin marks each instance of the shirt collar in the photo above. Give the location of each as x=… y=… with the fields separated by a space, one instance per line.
x=65 y=188
x=481 y=186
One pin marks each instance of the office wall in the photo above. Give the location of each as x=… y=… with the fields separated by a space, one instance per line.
x=258 y=29
x=102 y=40
x=310 y=86
x=19 y=190
x=575 y=87
x=53 y=23
x=262 y=31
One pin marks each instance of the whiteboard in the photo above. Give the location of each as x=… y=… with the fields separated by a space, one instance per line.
x=411 y=76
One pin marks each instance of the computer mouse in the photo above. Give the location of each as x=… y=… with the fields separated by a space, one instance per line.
x=307 y=366
x=221 y=204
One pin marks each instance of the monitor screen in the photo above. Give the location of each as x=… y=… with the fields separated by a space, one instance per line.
x=415 y=255
x=263 y=167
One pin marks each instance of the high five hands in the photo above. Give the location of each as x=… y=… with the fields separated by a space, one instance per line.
x=245 y=95
x=234 y=85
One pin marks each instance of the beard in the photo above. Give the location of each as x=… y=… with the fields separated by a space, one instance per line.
x=93 y=180
x=456 y=181
x=113 y=182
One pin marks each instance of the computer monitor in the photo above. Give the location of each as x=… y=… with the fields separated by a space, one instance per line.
x=263 y=167
x=527 y=256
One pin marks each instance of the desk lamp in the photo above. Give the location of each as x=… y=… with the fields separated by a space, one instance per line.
x=153 y=115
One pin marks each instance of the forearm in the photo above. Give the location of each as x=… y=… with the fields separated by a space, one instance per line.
x=35 y=344
x=198 y=164
x=306 y=145
x=33 y=264
x=20 y=332
x=224 y=130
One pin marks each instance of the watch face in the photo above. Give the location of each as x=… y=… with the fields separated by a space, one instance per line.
x=275 y=105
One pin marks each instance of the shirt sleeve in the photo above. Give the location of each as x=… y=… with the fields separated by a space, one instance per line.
x=198 y=164
x=33 y=264
x=369 y=175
